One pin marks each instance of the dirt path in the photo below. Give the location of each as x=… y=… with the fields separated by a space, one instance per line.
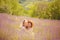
x=43 y=29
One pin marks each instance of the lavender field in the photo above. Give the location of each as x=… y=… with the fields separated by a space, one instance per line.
x=44 y=29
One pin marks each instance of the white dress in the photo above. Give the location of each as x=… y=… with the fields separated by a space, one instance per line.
x=26 y=34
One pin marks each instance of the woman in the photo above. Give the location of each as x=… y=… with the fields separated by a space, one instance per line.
x=27 y=24
x=27 y=30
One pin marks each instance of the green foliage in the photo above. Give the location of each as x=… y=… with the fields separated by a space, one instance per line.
x=11 y=7
x=55 y=9
x=46 y=10
x=38 y=9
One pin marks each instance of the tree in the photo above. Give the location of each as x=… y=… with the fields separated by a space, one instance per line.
x=40 y=10
x=46 y=10
x=11 y=7
x=55 y=9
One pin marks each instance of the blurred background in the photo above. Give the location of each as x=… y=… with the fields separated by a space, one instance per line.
x=45 y=9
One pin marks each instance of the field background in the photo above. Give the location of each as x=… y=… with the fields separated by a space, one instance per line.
x=45 y=15
x=43 y=29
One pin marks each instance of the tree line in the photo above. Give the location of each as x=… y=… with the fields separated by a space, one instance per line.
x=37 y=9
